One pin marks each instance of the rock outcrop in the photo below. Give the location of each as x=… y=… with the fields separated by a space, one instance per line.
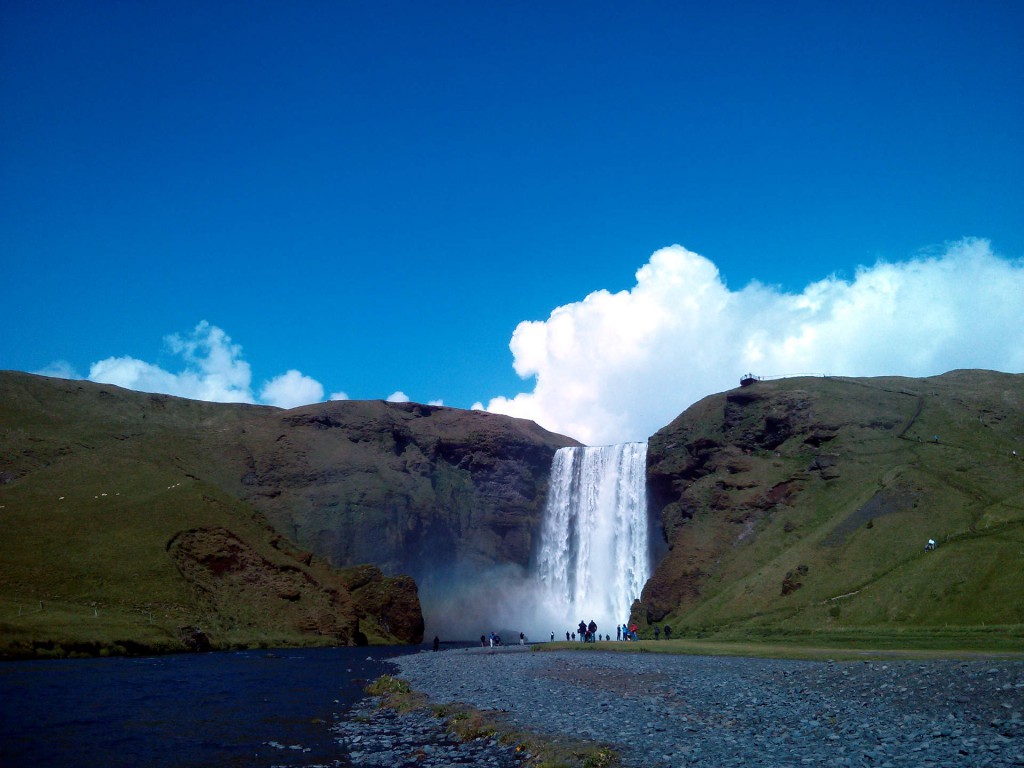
x=408 y=487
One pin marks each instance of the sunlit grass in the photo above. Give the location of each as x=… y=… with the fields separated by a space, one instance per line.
x=915 y=643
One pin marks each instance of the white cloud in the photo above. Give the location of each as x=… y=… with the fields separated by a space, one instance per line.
x=214 y=369
x=291 y=389
x=208 y=351
x=398 y=397
x=616 y=367
x=438 y=403
x=339 y=396
x=60 y=369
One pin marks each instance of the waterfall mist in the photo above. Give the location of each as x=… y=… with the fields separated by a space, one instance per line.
x=591 y=562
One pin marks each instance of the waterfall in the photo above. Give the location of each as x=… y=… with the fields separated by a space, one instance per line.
x=593 y=559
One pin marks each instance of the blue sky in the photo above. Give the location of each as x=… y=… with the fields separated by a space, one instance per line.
x=377 y=195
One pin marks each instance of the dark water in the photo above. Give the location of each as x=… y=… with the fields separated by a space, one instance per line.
x=251 y=708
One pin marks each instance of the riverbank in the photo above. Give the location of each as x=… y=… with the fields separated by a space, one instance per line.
x=656 y=710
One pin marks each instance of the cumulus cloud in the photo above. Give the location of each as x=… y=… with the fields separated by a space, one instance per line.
x=60 y=369
x=616 y=367
x=339 y=396
x=213 y=370
x=291 y=389
x=398 y=397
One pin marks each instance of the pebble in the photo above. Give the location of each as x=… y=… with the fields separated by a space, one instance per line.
x=372 y=736
x=657 y=709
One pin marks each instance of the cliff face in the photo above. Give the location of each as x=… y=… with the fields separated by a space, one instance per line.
x=232 y=521
x=443 y=495
x=405 y=486
x=233 y=583
x=807 y=502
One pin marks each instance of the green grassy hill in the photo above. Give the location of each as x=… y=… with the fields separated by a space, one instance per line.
x=154 y=515
x=801 y=507
x=791 y=508
x=115 y=541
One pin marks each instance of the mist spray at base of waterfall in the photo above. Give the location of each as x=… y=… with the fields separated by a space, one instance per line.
x=502 y=599
x=594 y=558
x=591 y=564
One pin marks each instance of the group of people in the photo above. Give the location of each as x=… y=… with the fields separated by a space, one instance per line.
x=493 y=639
x=629 y=633
x=587 y=633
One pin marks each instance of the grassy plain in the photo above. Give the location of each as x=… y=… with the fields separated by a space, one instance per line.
x=1003 y=642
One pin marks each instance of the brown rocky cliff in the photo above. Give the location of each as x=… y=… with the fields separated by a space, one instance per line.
x=237 y=587
x=408 y=487
x=725 y=465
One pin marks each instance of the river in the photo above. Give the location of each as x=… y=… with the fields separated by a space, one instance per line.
x=247 y=708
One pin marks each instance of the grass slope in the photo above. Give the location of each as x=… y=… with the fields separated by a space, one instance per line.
x=801 y=507
x=95 y=485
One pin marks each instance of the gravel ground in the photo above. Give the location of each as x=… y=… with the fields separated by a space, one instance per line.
x=661 y=710
x=382 y=737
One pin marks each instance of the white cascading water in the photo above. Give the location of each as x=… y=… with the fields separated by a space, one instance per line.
x=593 y=560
